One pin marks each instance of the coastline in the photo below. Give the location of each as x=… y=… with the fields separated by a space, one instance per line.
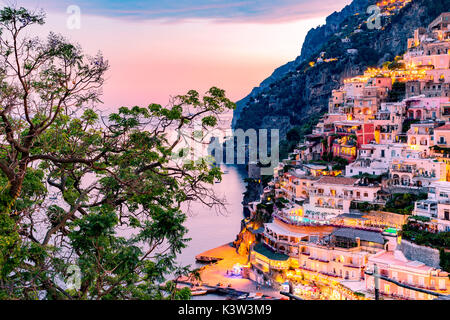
x=216 y=273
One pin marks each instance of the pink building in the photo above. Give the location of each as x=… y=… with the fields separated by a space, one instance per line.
x=422 y=108
x=394 y=265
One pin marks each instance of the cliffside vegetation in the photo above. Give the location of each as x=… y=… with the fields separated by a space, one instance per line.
x=303 y=88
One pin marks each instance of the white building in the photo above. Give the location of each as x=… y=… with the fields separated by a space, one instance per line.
x=375 y=159
x=437 y=207
x=332 y=196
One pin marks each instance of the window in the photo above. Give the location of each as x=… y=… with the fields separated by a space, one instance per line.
x=422 y=281
x=410 y=279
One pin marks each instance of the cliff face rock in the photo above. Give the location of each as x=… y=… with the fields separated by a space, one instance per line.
x=298 y=91
x=315 y=38
x=318 y=36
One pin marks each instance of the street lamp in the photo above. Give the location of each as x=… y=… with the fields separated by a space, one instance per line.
x=376 y=278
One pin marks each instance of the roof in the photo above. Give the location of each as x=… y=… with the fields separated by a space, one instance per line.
x=315 y=166
x=305 y=177
x=444 y=127
x=348 y=123
x=257 y=231
x=338 y=180
x=397 y=260
x=285 y=232
x=361 y=234
x=352 y=216
x=313 y=136
x=265 y=251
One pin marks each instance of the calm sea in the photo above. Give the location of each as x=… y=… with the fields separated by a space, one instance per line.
x=210 y=229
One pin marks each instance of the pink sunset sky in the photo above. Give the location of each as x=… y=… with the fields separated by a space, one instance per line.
x=155 y=53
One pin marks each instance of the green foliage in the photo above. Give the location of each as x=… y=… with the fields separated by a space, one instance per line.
x=287 y=168
x=403 y=203
x=416 y=233
x=444 y=258
x=364 y=206
x=295 y=135
x=420 y=218
x=397 y=93
x=340 y=163
x=263 y=213
x=120 y=185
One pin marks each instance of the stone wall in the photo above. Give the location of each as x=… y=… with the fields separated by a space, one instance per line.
x=427 y=255
x=386 y=218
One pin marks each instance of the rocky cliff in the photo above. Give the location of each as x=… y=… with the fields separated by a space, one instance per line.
x=342 y=48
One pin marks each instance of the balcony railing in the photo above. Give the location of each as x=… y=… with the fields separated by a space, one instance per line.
x=403 y=169
x=325 y=206
x=319 y=259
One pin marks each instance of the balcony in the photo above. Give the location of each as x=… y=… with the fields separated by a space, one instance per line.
x=425 y=175
x=325 y=206
x=330 y=195
x=402 y=169
x=354 y=266
x=426 y=209
x=318 y=259
x=281 y=241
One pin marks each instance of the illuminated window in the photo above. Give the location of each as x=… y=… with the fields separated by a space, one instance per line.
x=387 y=289
x=442 y=285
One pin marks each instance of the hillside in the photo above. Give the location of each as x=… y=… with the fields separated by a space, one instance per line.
x=299 y=90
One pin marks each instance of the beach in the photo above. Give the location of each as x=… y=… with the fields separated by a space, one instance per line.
x=216 y=273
